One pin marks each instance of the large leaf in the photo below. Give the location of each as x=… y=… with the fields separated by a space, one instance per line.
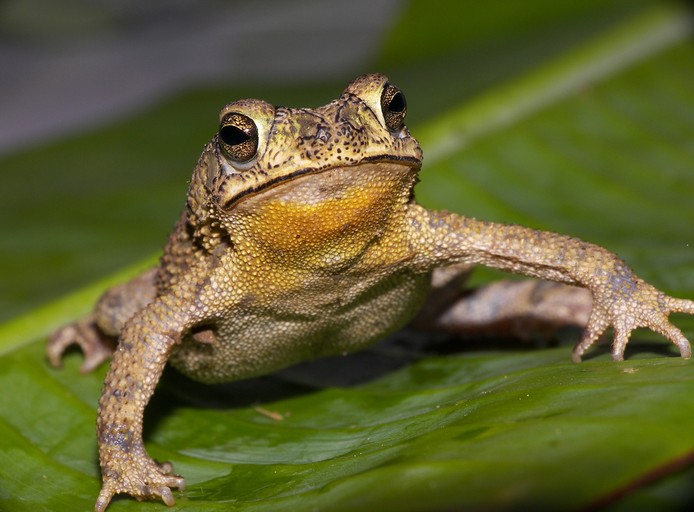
x=596 y=143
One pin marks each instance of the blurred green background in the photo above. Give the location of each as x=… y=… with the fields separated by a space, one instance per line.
x=576 y=117
x=96 y=186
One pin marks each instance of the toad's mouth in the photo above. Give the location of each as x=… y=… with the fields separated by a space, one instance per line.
x=409 y=164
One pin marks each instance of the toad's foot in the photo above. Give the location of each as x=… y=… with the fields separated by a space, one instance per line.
x=96 y=346
x=627 y=304
x=142 y=478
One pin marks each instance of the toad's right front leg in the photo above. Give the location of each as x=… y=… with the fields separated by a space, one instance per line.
x=143 y=349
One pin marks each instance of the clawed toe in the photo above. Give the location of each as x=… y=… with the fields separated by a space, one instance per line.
x=680 y=305
x=685 y=348
x=673 y=334
x=58 y=342
x=167 y=496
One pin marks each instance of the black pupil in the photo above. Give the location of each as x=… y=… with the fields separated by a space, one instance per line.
x=397 y=104
x=233 y=135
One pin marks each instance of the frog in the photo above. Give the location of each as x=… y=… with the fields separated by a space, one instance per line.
x=301 y=238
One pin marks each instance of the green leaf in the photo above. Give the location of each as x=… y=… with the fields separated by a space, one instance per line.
x=594 y=142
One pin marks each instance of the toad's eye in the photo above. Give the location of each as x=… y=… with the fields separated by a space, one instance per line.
x=238 y=137
x=393 y=107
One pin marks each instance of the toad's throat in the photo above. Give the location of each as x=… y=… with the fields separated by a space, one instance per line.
x=406 y=161
x=329 y=218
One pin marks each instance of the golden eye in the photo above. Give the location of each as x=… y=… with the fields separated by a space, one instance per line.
x=238 y=137
x=393 y=107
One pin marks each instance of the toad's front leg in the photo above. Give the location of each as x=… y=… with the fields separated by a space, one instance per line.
x=620 y=298
x=138 y=362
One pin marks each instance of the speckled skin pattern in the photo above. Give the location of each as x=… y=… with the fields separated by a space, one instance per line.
x=301 y=238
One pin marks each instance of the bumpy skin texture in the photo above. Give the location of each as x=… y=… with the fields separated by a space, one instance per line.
x=301 y=238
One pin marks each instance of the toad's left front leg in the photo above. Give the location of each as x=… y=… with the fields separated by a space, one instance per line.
x=620 y=298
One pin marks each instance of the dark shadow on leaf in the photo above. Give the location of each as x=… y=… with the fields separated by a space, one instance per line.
x=400 y=350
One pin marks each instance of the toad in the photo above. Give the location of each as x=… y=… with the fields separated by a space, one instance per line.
x=301 y=238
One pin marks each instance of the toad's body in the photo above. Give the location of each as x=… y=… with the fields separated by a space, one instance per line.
x=301 y=238
x=327 y=274
x=310 y=255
